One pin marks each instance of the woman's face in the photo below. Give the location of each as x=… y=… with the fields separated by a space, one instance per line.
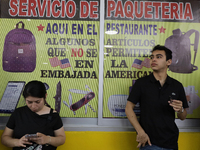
x=35 y=104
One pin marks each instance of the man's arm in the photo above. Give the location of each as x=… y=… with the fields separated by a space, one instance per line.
x=182 y=115
x=178 y=107
x=142 y=137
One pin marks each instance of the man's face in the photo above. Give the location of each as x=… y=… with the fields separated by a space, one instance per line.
x=158 y=60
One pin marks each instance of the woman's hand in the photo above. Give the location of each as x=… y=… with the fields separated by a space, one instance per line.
x=55 y=141
x=41 y=139
x=22 y=142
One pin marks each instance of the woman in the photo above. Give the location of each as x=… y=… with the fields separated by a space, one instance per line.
x=34 y=118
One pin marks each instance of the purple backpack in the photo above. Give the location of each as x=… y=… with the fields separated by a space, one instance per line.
x=19 y=54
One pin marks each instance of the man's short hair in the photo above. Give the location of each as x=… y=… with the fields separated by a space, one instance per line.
x=168 y=52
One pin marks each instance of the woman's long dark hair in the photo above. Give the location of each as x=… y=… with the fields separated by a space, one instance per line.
x=35 y=89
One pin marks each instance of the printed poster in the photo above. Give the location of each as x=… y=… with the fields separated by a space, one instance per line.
x=132 y=29
x=56 y=42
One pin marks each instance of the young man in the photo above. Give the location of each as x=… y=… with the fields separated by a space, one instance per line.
x=160 y=96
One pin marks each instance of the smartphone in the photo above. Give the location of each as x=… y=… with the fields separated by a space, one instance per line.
x=11 y=96
x=31 y=136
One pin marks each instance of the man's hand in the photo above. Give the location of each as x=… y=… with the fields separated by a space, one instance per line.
x=176 y=104
x=142 y=139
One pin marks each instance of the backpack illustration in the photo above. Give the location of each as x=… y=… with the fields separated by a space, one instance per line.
x=179 y=44
x=19 y=54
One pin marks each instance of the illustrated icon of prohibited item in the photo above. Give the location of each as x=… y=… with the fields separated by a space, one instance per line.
x=83 y=101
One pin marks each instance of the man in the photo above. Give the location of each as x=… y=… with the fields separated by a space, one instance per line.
x=160 y=96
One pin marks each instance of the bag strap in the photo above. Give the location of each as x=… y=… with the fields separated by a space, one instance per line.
x=196 y=42
x=17 y=25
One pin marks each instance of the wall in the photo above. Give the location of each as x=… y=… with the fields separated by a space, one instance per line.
x=92 y=140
